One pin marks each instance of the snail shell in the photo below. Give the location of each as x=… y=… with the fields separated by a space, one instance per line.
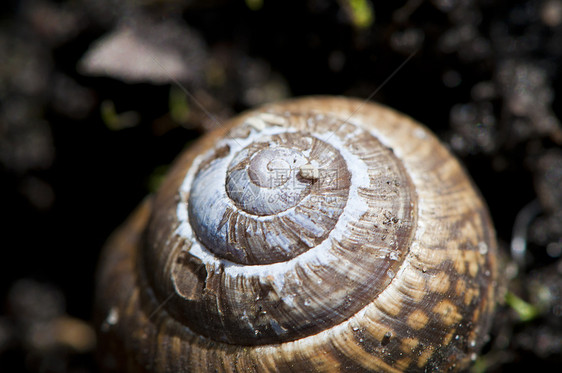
x=313 y=235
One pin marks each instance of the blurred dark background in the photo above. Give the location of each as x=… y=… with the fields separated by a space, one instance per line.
x=93 y=107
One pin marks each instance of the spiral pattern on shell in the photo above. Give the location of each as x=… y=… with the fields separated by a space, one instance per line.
x=319 y=234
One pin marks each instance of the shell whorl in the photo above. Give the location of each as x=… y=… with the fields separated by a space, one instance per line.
x=262 y=204
x=319 y=233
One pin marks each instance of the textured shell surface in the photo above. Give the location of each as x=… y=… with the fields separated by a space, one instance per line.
x=319 y=234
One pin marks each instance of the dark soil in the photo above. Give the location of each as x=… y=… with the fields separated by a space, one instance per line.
x=92 y=110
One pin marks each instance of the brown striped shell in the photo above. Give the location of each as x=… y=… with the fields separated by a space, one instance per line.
x=313 y=235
